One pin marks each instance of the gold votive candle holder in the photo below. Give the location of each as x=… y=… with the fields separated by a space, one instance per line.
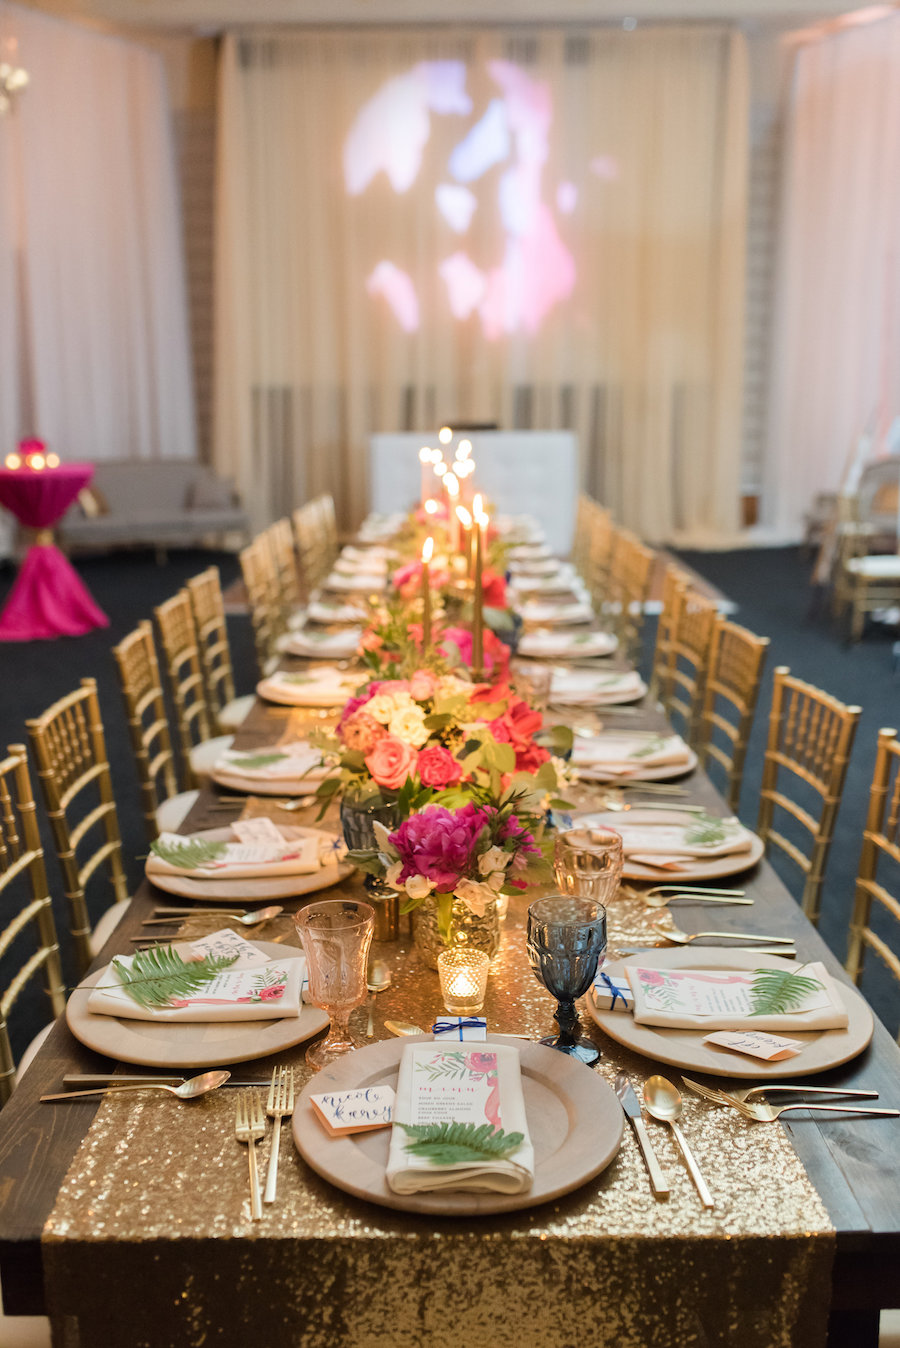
x=463 y=973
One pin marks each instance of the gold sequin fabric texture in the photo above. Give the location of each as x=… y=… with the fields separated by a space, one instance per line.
x=151 y=1243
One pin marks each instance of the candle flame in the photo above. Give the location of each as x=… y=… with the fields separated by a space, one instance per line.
x=445 y=435
x=451 y=482
x=477 y=505
x=431 y=507
x=425 y=454
x=463 y=516
x=464 y=449
x=427 y=549
x=436 y=456
x=440 y=468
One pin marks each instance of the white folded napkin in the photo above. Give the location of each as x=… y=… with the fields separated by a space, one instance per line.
x=321 y=611
x=325 y=687
x=377 y=553
x=674 y=846
x=555 y=644
x=545 y=611
x=359 y=580
x=719 y=999
x=378 y=528
x=365 y=565
x=627 y=755
x=338 y=645
x=239 y=860
x=534 y=566
x=585 y=687
x=273 y=763
x=254 y=987
x=441 y=1083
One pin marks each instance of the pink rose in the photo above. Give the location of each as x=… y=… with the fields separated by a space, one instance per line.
x=422 y=685
x=391 y=762
x=273 y=993
x=438 y=767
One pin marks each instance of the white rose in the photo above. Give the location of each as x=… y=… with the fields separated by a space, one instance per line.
x=392 y=876
x=494 y=859
x=496 y=880
x=419 y=886
x=381 y=706
x=474 y=895
x=408 y=725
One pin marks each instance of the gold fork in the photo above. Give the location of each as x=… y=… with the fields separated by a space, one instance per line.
x=280 y=1102
x=760 y=1112
x=249 y=1127
x=742 y=1095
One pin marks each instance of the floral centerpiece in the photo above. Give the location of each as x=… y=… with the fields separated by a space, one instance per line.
x=452 y=864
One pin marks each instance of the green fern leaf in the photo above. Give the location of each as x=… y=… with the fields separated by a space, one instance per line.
x=707 y=830
x=452 y=1143
x=159 y=977
x=256 y=760
x=190 y=854
x=652 y=746
x=775 y=991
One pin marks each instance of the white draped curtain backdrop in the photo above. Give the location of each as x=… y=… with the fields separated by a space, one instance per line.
x=538 y=230
x=835 y=375
x=94 y=350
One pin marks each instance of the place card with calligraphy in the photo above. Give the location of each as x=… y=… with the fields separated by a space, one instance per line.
x=769 y=1047
x=362 y=1111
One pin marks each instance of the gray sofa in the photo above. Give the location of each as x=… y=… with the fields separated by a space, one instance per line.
x=161 y=503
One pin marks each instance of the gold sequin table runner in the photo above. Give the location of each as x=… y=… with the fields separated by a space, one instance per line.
x=150 y=1243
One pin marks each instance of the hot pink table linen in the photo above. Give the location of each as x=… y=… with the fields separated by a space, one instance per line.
x=47 y=599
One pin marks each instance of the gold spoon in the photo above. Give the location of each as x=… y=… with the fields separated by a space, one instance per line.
x=379 y=978
x=686 y=938
x=663 y=1102
x=402 y=1027
x=188 y=1090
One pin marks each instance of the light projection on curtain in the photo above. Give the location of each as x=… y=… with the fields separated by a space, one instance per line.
x=535 y=270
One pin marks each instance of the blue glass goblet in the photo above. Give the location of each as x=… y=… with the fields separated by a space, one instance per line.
x=566 y=942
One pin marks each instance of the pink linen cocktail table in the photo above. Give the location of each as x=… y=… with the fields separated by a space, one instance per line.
x=47 y=599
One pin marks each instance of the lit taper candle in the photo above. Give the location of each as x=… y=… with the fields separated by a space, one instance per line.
x=427 y=552
x=478 y=597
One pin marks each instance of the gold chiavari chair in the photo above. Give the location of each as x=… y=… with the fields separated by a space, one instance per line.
x=184 y=671
x=598 y=557
x=627 y=589
x=27 y=910
x=674 y=581
x=280 y=537
x=315 y=550
x=585 y=508
x=328 y=518
x=70 y=751
x=262 y=596
x=736 y=659
x=208 y=607
x=684 y=681
x=164 y=806
x=810 y=738
x=881 y=844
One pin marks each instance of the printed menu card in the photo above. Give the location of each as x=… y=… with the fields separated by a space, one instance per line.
x=732 y=999
x=445 y=1085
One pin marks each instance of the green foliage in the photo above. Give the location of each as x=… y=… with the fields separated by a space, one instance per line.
x=707 y=830
x=190 y=854
x=256 y=760
x=775 y=991
x=653 y=746
x=159 y=976
x=452 y=1143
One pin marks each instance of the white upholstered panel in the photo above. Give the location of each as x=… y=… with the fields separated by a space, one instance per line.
x=524 y=472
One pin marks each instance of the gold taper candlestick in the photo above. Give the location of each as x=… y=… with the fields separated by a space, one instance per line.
x=427 y=551
x=478 y=609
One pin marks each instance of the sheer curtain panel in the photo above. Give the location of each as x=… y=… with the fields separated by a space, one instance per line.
x=101 y=366
x=836 y=348
x=540 y=229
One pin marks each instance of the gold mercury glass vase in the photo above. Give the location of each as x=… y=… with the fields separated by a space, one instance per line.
x=466 y=928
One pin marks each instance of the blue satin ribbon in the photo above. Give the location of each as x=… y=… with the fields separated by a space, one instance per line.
x=617 y=993
x=458 y=1026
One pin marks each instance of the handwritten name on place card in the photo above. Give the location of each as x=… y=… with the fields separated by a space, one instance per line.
x=756 y=1044
x=343 y=1112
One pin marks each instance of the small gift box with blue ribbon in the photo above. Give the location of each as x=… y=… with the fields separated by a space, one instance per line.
x=460 y=1027
x=612 y=994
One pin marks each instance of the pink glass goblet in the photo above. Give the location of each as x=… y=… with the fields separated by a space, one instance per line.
x=336 y=935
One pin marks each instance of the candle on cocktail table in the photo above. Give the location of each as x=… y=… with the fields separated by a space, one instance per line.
x=427 y=552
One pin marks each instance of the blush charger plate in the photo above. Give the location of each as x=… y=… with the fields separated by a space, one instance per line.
x=268 y=786
x=574 y=1119
x=255 y=889
x=599 y=698
x=194 y=1043
x=695 y=868
x=589 y=646
x=684 y=1048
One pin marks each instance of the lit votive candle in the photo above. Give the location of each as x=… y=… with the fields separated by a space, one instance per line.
x=463 y=972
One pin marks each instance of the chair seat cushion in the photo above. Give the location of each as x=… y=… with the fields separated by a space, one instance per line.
x=236 y=711
x=204 y=755
x=171 y=814
x=885 y=567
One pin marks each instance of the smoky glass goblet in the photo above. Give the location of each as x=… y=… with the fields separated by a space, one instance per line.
x=566 y=942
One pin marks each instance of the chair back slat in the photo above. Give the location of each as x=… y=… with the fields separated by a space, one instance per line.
x=208 y=606
x=178 y=637
x=736 y=659
x=875 y=920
